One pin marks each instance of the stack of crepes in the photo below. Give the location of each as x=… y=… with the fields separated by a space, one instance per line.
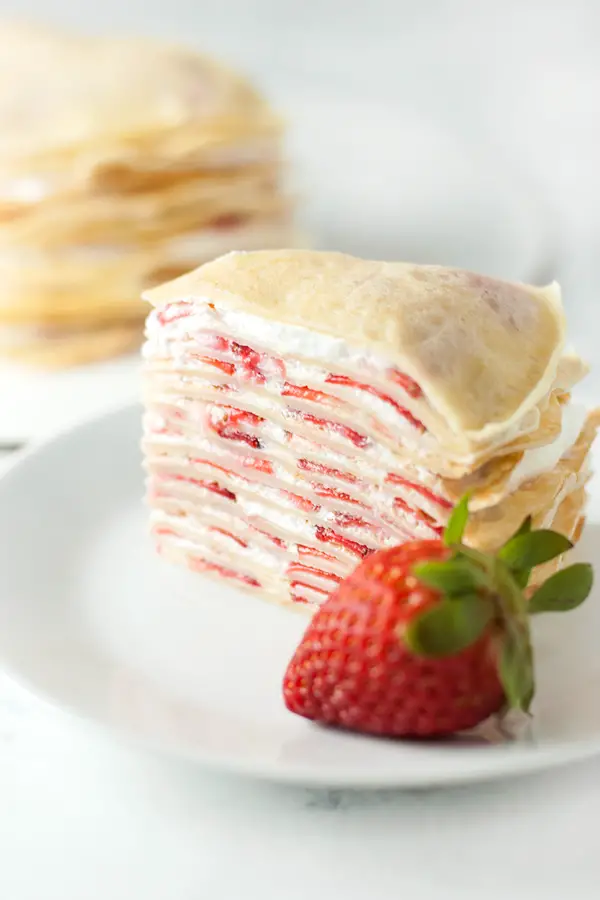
x=305 y=409
x=122 y=163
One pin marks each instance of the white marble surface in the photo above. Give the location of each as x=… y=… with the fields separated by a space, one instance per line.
x=85 y=819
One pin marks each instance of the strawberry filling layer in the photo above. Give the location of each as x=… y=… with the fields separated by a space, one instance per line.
x=302 y=503
x=249 y=364
x=307 y=552
x=173 y=311
x=271 y=537
x=198 y=564
x=228 y=534
x=213 y=465
x=162 y=531
x=369 y=389
x=392 y=478
x=227 y=221
x=307 y=466
x=297 y=570
x=226 y=367
x=259 y=465
x=212 y=486
x=407 y=383
x=359 y=440
x=306 y=393
x=344 y=520
x=296 y=593
x=322 y=490
x=225 y=421
x=296 y=586
x=419 y=514
x=332 y=537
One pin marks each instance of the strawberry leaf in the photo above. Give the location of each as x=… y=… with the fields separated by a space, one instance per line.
x=449 y=627
x=455 y=576
x=532 y=549
x=521 y=576
x=457 y=522
x=516 y=671
x=565 y=590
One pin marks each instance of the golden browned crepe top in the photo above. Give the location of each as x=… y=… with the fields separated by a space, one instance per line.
x=483 y=351
x=58 y=90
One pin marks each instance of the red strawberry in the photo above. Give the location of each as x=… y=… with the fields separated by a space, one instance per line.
x=431 y=637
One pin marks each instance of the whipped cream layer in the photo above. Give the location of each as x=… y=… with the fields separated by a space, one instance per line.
x=544 y=459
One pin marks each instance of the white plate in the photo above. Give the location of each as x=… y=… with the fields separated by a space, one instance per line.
x=93 y=621
x=375 y=181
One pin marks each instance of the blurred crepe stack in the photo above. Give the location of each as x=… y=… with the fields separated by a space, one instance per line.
x=123 y=163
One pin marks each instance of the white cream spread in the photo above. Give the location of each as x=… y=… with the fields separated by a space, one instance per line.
x=278 y=338
x=543 y=459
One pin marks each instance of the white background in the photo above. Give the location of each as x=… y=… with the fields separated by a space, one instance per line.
x=83 y=820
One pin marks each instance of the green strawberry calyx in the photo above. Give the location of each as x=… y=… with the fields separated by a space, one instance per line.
x=484 y=593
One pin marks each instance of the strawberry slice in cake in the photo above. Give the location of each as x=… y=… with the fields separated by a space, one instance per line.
x=304 y=409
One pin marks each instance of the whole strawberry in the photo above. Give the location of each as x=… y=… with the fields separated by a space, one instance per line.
x=431 y=637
